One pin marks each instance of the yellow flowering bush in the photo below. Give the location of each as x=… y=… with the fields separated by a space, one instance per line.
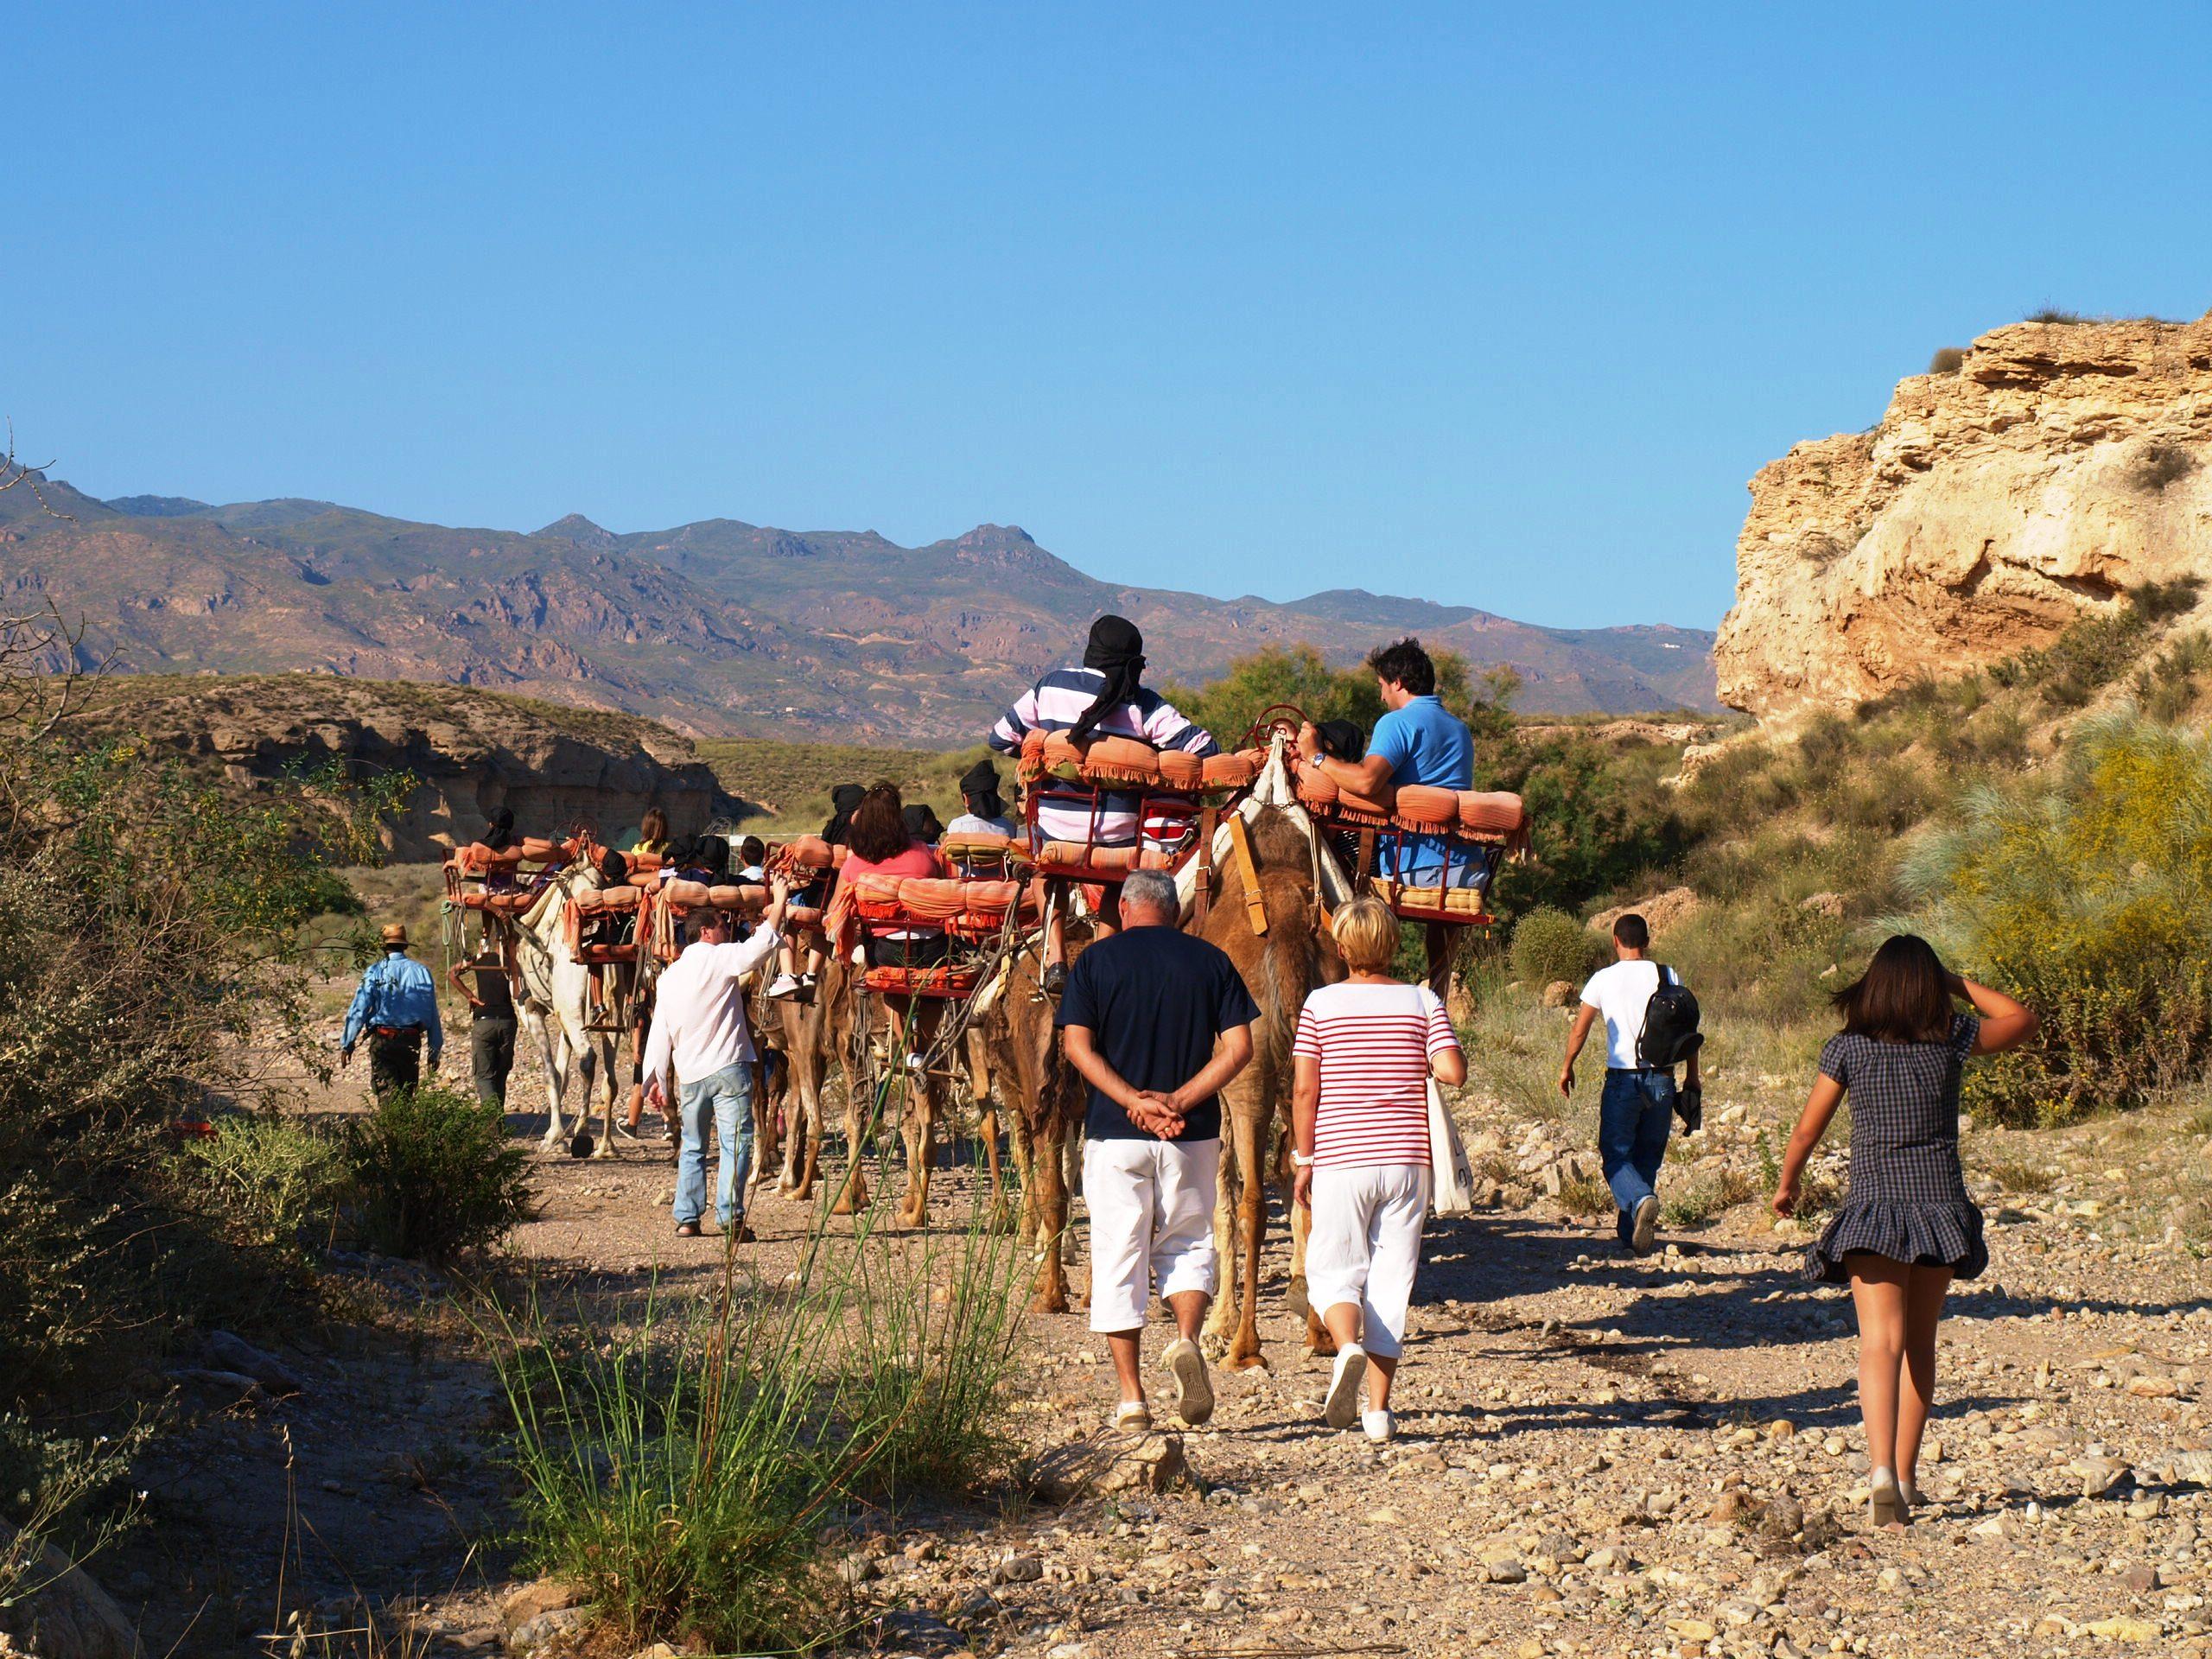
x=2087 y=894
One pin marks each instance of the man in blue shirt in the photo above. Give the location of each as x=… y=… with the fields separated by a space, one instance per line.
x=397 y=1005
x=1418 y=741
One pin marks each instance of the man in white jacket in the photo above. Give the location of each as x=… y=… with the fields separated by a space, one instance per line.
x=699 y=1033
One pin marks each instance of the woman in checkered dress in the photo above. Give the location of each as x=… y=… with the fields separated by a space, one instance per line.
x=1907 y=1227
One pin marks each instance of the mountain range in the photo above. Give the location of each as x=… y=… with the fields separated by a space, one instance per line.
x=718 y=627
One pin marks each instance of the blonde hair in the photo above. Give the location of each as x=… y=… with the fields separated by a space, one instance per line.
x=1367 y=933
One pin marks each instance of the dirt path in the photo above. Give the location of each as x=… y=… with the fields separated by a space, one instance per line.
x=1598 y=1456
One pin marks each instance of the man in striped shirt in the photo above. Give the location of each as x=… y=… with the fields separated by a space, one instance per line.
x=1104 y=696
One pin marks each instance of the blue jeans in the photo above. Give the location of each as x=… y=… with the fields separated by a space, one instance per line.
x=725 y=1096
x=1633 y=1117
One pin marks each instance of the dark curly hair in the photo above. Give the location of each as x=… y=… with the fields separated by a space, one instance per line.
x=1405 y=664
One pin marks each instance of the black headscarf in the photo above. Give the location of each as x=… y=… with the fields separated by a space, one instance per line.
x=922 y=824
x=1116 y=647
x=842 y=800
x=714 y=855
x=1342 y=740
x=682 y=854
x=979 y=787
x=613 y=869
x=499 y=835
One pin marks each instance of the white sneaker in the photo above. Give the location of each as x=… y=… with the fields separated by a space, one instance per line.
x=1381 y=1426
x=1341 y=1407
x=1133 y=1417
x=783 y=987
x=1646 y=1232
x=1193 y=1388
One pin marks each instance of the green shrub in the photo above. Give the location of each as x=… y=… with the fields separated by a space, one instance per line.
x=278 y=1182
x=1549 y=944
x=434 y=1175
x=2088 y=895
x=2167 y=690
x=1704 y=1197
x=1948 y=360
x=682 y=1471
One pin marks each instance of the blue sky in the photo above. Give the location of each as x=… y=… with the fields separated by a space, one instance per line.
x=1495 y=307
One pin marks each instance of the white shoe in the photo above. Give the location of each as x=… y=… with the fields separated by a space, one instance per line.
x=1133 y=1416
x=1646 y=1232
x=1193 y=1388
x=1381 y=1426
x=1341 y=1408
x=783 y=987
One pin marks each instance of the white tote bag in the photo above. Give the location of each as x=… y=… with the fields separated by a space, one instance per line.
x=1452 y=1177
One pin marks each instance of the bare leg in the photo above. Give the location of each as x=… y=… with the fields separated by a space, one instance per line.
x=1925 y=1294
x=1190 y=1309
x=1878 y=1290
x=1342 y=1322
x=1127 y=1348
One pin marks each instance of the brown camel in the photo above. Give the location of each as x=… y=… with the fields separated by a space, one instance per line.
x=1279 y=967
x=810 y=1035
x=1046 y=1096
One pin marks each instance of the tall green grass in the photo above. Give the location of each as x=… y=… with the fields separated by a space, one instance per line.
x=681 y=1468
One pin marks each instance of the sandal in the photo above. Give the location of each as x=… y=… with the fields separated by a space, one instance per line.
x=687 y=1230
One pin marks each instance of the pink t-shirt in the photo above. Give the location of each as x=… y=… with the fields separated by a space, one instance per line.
x=1374 y=1044
x=917 y=859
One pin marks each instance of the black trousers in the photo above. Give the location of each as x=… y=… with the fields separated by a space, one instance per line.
x=492 y=1055
x=395 y=1062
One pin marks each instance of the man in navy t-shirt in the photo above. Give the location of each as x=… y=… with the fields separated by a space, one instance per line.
x=1158 y=1022
x=1418 y=741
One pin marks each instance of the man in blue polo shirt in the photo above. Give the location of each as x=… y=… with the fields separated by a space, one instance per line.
x=1418 y=741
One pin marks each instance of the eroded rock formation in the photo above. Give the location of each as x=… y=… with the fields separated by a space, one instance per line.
x=2060 y=465
x=470 y=751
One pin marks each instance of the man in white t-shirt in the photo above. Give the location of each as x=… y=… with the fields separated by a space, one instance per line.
x=1637 y=1108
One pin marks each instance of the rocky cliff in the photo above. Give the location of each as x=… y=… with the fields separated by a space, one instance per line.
x=471 y=751
x=2060 y=464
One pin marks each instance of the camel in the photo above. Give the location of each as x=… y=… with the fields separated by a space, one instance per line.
x=1020 y=1048
x=554 y=1005
x=1279 y=967
x=811 y=1036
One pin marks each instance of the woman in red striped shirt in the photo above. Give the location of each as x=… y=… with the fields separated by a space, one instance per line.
x=1365 y=1051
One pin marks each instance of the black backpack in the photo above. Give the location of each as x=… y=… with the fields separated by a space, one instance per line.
x=1670 y=1034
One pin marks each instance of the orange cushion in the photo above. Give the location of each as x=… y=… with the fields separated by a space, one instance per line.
x=1494 y=814
x=1181 y=769
x=1062 y=758
x=1426 y=806
x=1121 y=760
x=1237 y=771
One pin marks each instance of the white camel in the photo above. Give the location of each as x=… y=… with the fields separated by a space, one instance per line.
x=555 y=1006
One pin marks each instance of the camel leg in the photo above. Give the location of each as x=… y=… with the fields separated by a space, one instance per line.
x=1025 y=1173
x=1051 y=1213
x=852 y=1197
x=1221 y=1319
x=606 y=1058
x=1318 y=1340
x=919 y=1127
x=552 y=1041
x=1244 y=1347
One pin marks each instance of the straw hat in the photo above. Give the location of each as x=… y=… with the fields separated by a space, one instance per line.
x=394 y=933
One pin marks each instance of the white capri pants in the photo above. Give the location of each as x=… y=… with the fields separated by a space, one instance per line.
x=1151 y=1214
x=1365 y=1245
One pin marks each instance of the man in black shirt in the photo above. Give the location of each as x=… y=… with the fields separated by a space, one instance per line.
x=1158 y=1022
